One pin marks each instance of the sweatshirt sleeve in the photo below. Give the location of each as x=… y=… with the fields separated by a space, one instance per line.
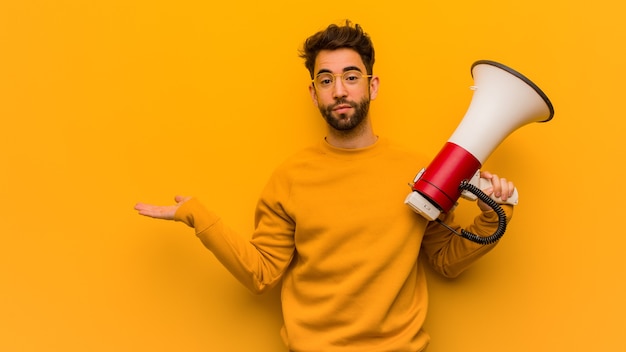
x=258 y=263
x=450 y=254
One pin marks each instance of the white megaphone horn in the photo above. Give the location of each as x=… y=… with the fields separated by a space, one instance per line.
x=503 y=101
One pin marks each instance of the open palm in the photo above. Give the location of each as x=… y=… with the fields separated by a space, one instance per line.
x=165 y=212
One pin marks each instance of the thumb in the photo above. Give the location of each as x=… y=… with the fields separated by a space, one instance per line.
x=181 y=199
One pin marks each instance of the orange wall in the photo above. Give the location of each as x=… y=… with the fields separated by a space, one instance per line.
x=106 y=103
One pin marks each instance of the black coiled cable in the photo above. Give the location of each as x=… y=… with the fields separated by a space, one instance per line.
x=466 y=186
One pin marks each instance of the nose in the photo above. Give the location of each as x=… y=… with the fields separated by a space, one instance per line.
x=339 y=89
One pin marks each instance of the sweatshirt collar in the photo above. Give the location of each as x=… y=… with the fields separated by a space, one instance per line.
x=351 y=153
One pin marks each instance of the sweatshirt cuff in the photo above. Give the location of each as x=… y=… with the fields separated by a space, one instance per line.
x=195 y=215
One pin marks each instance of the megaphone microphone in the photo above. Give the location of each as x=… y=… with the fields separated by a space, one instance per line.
x=503 y=101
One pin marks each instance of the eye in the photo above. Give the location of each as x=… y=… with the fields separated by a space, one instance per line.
x=324 y=80
x=352 y=76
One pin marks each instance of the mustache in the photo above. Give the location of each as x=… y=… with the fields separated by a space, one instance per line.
x=343 y=101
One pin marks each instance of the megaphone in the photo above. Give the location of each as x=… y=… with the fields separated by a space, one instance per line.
x=503 y=101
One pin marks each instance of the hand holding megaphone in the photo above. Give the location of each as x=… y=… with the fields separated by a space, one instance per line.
x=484 y=184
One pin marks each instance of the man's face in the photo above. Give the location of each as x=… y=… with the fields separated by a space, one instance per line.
x=344 y=106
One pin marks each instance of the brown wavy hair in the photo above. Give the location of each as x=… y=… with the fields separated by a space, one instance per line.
x=337 y=37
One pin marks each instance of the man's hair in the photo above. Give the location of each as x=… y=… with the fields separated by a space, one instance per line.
x=337 y=37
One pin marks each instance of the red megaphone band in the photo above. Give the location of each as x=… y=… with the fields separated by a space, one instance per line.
x=441 y=180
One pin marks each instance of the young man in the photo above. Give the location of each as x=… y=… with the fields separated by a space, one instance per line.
x=332 y=224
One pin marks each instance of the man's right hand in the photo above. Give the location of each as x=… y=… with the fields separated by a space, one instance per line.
x=165 y=212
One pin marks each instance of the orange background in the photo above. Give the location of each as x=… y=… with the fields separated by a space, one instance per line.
x=106 y=103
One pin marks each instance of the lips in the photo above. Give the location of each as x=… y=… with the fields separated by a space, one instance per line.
x=342 y=107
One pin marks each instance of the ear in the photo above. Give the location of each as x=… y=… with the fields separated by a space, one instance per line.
x=313 y=94
x=374 y=82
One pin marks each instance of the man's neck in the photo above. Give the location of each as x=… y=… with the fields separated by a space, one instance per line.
x=351 y=139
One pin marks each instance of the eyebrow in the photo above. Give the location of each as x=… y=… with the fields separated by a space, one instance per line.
x=345 y=69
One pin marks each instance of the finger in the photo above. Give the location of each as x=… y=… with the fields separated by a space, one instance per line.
x=145 y=209
x=497 y=187
x=511 y=188
x=140 y=206
x=505 y=191
x=155 y=211
x=486 y=174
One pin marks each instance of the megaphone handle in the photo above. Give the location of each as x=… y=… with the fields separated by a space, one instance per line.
x=465 y=185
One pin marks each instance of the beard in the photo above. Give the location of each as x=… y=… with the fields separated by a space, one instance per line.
x=346 y=122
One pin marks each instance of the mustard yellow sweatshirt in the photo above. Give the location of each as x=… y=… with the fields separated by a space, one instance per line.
x=332 y=224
